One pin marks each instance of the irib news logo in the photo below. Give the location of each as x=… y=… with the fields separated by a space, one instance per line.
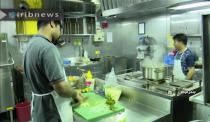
x=2 y=14
x=30 y=14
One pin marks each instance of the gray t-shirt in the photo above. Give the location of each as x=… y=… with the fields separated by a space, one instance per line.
x=42 y=65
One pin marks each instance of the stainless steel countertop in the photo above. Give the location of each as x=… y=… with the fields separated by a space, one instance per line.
x=142 y=104
x=197 y=98
x=141 y=112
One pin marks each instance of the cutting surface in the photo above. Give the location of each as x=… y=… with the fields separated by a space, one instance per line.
x=94 y=107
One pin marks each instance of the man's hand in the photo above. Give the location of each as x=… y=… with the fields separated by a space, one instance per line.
x=78 y=98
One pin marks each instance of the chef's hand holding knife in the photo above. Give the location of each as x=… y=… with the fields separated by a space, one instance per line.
x=66 y=90
x=79 y=98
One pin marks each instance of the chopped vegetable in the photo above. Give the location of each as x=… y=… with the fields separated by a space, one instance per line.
x=85 y=104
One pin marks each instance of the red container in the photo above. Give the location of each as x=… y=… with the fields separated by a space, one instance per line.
x=104 y=25
x=23 y=111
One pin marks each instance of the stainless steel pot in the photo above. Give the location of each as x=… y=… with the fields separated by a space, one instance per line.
x=154 y=72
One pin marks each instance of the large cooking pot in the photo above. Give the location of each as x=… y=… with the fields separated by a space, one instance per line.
x=154 y=72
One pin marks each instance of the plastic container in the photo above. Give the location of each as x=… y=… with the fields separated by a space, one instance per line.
x=66 y=63
x=23 y=111
x=91 y=84
x=169 y=60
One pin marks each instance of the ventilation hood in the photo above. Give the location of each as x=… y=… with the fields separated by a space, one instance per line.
x=127 y=8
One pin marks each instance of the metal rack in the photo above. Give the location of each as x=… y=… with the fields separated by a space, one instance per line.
x=79 y=26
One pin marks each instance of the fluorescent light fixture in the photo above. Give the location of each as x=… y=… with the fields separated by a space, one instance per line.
x=200 y=11
x=192 y=5
x=184 y=21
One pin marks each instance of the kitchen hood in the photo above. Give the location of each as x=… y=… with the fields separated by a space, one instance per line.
x=129 y=8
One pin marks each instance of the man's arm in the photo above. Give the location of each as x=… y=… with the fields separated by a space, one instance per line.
x=190 y=73
x=54 y=71
x=64 y=89
x=190 y=61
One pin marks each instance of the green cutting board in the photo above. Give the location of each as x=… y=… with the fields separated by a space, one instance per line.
x=96 y=108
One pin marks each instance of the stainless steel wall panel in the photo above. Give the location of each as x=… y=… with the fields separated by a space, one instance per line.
x=125 y=38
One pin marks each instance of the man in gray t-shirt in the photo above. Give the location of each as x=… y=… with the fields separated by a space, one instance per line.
x=44 y=71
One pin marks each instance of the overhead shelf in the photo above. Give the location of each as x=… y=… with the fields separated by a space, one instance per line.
x=23 y=37
x=77 y=34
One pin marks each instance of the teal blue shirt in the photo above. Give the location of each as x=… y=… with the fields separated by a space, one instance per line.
x=188 y=60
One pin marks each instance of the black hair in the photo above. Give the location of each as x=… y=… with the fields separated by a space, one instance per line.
x=181 y=38
x=42 y=23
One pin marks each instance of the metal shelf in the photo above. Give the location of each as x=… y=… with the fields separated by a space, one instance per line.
x=77 y=34
x=23 y=37
x=77 y=15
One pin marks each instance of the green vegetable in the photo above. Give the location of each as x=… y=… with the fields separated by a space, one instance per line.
x=110 y=102
x=111 y=107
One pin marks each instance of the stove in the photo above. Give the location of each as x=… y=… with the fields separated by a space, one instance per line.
x=165 y=87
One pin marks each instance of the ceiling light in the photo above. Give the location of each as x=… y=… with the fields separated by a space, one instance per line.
x=192 y=5
x=200 y=11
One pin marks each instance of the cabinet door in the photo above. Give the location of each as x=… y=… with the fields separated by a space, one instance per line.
x=193 y=24
x=177 y=24
x=190 y=24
